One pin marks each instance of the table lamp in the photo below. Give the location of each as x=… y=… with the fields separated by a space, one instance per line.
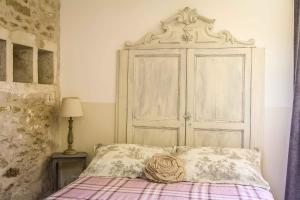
x=70 y=107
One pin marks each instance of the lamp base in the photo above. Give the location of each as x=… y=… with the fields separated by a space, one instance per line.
x=70 y=152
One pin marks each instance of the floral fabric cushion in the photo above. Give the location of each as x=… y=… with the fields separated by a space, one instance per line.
x=122 y=160
x=222 y=165
x=164 y=169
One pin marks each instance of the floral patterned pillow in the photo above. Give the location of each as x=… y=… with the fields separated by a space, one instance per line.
x=222 y=165
x=122 y=160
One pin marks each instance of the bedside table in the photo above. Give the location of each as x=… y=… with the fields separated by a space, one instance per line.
x=66 y=168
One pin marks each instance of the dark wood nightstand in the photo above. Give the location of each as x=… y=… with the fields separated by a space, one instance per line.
x=66 y=168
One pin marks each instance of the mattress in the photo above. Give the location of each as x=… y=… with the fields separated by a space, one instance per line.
x=116 y=188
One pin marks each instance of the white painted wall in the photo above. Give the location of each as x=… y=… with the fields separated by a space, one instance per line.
x=92 y=31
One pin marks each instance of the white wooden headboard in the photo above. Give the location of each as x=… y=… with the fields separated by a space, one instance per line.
x=187 y=85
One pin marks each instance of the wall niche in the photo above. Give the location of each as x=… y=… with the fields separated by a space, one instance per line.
x=2 y=60
x=45 y=67
x=22 y=63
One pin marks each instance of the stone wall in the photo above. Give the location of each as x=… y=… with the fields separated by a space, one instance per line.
x=40 y=17
x=27 y=137
x=28 y=111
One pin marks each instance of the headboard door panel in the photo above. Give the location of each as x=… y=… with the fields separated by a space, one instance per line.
x=190 y=85
x=218 y=97
x=156 y=97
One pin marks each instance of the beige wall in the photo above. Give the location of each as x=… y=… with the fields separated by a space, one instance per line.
x=92 y=32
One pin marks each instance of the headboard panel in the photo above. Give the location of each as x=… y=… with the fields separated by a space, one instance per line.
x=190 y=86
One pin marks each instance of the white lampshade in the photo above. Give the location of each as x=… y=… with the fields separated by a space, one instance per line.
x=71 y=107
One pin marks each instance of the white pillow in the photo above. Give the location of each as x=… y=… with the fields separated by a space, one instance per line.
x=122 y=160
x=222 y=165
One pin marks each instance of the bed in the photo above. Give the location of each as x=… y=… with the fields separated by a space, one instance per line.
x=190 y=99
x=118 y=172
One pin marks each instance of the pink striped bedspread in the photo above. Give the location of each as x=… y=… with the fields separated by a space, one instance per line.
x=100 y=188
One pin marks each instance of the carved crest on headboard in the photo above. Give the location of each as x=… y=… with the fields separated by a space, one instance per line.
x=187 y=27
